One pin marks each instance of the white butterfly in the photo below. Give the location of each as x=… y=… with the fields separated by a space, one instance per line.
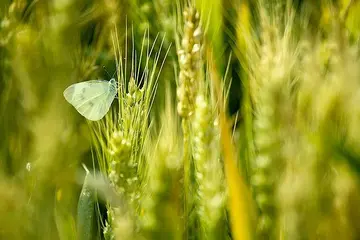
x=93 y=98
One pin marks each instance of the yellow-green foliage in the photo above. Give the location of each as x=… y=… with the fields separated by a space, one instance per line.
x=169 y=160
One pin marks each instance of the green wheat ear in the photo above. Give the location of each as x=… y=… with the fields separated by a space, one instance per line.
x=119 y=139
x=190 y=63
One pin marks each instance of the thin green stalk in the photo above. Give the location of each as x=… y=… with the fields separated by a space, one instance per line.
x=187 y=177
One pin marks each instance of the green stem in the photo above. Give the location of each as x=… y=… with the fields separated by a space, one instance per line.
x=248 y=121
x=187 y=180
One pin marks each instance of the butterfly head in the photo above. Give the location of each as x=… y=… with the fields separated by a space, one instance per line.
x=113 y=85
x=113 y=82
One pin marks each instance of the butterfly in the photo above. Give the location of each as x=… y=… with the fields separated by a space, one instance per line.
x=93 y=98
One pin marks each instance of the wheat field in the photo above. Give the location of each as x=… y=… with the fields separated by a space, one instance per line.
x=233 y=119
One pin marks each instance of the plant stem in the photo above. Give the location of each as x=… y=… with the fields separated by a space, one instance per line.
x=187 y=180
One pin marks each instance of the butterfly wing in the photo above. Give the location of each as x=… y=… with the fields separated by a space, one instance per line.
x=92 y=99
x=97 y=108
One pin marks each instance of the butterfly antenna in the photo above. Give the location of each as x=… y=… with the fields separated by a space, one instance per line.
x=106 y=72
x=115 y=70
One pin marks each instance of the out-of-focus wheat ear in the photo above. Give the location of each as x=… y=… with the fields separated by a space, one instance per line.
x=161 y=203
x=272 y=76
x=267 y=160
x=211 y=197
x=336 y=90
